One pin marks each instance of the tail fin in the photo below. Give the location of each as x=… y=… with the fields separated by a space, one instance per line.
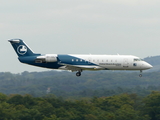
x=21 y=47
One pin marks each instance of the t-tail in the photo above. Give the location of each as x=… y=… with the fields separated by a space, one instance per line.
x=76 y=62
x=21 y=48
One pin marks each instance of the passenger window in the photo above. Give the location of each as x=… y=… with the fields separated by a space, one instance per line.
x=72 y=60
x=134 y=64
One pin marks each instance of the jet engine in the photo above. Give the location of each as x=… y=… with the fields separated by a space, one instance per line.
x=46 y=59
x=51 y=59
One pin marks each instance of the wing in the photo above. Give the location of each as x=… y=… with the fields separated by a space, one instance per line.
x=81 y=67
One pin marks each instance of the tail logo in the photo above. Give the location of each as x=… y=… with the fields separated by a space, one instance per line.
x=22 y=49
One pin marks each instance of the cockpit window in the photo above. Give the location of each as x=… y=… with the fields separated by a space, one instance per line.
x=138 y=59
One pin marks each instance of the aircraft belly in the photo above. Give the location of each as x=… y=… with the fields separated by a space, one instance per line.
x=112 y=66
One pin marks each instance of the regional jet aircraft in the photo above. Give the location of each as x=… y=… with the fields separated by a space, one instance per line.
x=79 y=63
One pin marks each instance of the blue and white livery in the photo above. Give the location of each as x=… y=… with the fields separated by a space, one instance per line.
x=77 y=63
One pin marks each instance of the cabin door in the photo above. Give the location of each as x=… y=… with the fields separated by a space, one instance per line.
x=125 y=63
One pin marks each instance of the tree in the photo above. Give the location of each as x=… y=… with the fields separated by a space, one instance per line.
x=152 y=105
x=3 y=97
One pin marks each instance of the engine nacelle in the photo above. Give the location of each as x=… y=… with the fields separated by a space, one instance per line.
x=47 y=58
x=51 y=59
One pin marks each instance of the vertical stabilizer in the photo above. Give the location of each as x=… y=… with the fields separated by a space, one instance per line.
x=21 y=48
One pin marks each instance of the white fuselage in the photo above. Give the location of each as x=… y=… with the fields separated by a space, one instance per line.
x=108 y=62
x=77 y=62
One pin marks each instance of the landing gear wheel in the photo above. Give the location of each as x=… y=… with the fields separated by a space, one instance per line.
x=78 y=74
x=140 y=75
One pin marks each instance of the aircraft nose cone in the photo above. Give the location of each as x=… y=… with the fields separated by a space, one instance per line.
x=148 y=66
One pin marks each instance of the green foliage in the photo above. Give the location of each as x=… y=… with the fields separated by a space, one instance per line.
x=93 y=96
x=152 y=105
x=68 y=86
x=3 y=97
x=117 y=107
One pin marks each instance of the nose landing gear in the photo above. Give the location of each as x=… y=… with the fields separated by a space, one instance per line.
x=140 y=75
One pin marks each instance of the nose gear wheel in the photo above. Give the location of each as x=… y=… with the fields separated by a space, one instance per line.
x=78 y=74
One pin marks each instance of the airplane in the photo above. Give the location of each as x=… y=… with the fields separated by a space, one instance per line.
x=75 y=62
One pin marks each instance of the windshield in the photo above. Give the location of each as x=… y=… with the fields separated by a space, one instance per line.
x=138 y=59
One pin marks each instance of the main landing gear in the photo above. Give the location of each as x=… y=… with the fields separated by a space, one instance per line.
x=78 y=74
x=140 y=75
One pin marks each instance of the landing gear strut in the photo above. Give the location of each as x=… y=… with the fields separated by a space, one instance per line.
x=78 y=74
x=140 y=75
